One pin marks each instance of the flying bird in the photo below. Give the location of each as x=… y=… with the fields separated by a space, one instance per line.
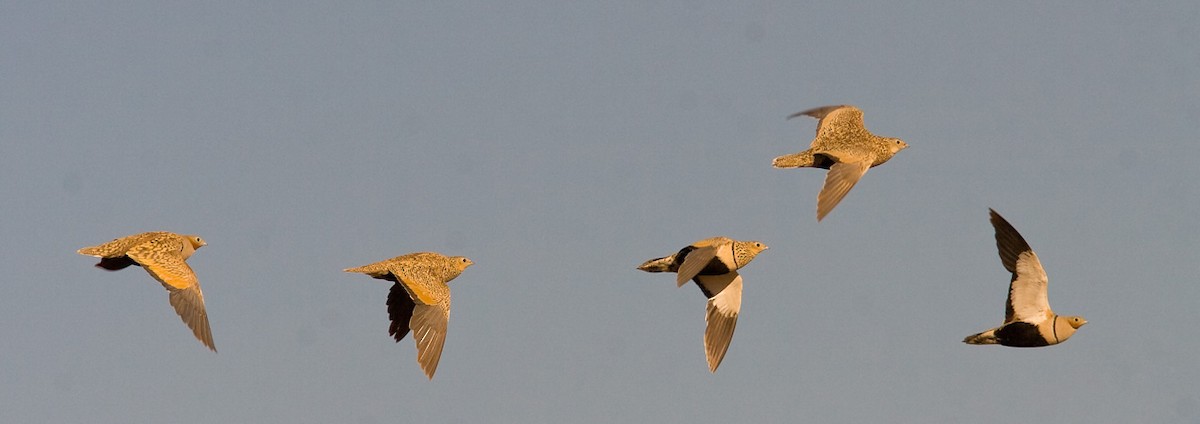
x=164 y=255
x=1028 y=320
x=844 y=147
x=713 y=263
x=419 y=300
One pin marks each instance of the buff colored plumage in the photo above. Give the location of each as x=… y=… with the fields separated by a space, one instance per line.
x=1028 y=320
x=844 y=147
x=713 y=263
x=419 y=300
x=163 y=255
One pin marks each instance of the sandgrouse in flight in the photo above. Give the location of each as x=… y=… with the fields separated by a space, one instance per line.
x=419 y=299
x=164 y=256
x=844 y=147
x=713 y=263
x=1028 y=320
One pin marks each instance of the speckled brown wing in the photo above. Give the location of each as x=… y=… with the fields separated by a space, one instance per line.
x=428 y=325
x=430 y=311
x=841 y=178
x=189 y=304
x=162 y=257
x=834 y=120
x=118 y=247
x=112 y=254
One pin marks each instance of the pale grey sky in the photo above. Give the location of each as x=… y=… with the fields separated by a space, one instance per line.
x=559 y=146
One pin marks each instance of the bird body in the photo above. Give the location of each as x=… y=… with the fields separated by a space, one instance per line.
x=713 y=263
x=419 y=299
x=844 y=147
x=163 y=255
x=1028 y=319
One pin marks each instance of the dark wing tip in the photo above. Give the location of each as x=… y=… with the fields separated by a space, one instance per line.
x=817 y=112
x=1009 y=242
x=210 y=345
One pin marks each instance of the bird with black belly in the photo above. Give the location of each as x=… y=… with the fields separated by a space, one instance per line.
x=713 y=263
x=1028 y=319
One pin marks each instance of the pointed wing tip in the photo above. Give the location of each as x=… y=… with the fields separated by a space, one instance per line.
x=714 y=361
x=204 y=335
x=429 y=366
x=823 y=212
x=997 y=220
x=207 y=338
x=818 y=112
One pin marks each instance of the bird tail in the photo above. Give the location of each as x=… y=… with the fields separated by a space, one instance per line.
x=794 y=160
x=986 y=337
x=662 y=264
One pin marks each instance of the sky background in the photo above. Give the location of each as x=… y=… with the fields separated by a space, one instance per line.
x=559 y=145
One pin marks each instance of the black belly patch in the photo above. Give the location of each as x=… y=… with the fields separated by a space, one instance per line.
x=714 y=267
x=1020 y=334
x=683 y=253
x=822 y=161
x=703 y=290
x=114 y=264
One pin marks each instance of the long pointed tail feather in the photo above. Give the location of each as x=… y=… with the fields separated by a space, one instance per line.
x=986 y=337
x=794 y=160
x=662 y=264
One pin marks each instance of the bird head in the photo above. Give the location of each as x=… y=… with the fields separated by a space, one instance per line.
x=896 y=145
x=745 y=251
x=461 y=262
x=1076 y=321
x=196 y=241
